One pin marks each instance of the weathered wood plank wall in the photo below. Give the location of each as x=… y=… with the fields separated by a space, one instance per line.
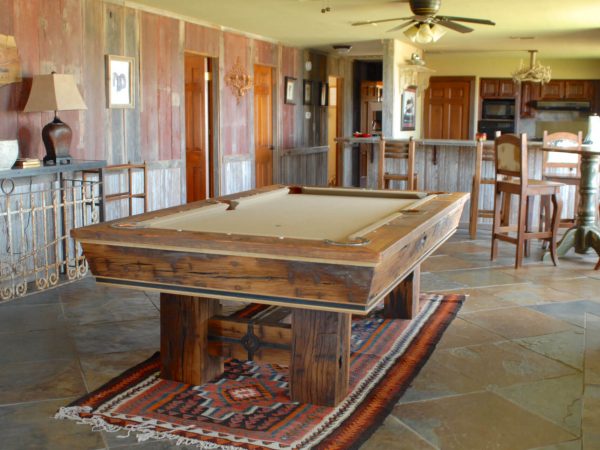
x=73 y=36
x=306 y=166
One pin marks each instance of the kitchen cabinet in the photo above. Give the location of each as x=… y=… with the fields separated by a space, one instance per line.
x=497 y=88
x=530 y=92
x=566 y=90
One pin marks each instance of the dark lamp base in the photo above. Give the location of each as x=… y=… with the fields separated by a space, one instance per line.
x=57 y=137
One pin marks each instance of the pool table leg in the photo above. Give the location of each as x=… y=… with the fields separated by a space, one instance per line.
x=403 y=301
x=184 y=339
x=320 y=362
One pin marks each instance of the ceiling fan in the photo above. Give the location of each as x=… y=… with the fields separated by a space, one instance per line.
x=425 y=13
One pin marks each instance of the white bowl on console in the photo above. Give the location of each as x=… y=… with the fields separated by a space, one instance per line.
x=9 y=152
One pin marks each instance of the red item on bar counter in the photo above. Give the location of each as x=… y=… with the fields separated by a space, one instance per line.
x=363 y=135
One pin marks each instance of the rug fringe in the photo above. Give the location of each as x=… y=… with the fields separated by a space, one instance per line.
x=142 y=432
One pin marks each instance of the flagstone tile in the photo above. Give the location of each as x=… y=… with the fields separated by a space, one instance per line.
x=36 y=346
x=572 y=312
x=148 y=445
x=540 y=273
x=479 y=367
x=592 y=349
x=575 y=444
x=47 y=297
x=584 y=288
x=566 y=347
x=22 y=318
x=590 y=423
x=517 y=322
x=31 y=426
x=32 y=381
x=479 y=278
x=438 y=263
x=431 y=282
x=393 y=434
x=522 y=294
x=556 y=399
x=113 y=337
x=479 y=421
x=461 y=333
x=101 y=368
x=109 y=309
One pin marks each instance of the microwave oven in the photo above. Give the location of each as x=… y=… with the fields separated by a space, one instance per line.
x=498 y=109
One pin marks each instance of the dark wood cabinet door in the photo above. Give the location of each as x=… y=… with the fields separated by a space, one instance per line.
x=553 y=90
x=447 y=108
x=497 y=88
x=578 y=89
x=488 y=87
x=507 y=88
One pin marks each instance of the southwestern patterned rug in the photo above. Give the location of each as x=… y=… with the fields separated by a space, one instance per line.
x=248 y=407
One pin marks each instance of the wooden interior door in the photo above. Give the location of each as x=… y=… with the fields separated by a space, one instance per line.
x=198 y=127
x=263 y=125
x=447 y=108
x=334 y=129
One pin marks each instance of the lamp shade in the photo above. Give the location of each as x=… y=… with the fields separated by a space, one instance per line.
x=54 y=92
x=593 y=135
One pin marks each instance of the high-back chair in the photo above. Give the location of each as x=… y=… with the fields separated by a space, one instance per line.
x=563 y=168
x=396 y=151
x=512 y=179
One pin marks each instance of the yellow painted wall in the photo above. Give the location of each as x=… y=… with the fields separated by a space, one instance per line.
x=498 y=66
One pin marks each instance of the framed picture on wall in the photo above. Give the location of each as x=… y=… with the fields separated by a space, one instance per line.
x=409 y=108
x=324 y=94
x=307 y=92
x=290 y=90
x=119 y=82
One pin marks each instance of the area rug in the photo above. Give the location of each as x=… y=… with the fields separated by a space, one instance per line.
x=248 y=406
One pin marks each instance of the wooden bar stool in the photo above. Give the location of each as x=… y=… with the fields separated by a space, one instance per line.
x=484 y=154
x=563 y=168
x=511 y=162
x=396 y=151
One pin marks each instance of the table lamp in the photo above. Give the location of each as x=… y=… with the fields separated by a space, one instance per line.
x=55 y=92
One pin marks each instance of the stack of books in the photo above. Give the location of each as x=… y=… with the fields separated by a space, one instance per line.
x=24 y=163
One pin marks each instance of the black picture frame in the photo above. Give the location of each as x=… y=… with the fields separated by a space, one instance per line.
x=409 y=109
x=289 y=96
x=307 y=92
x=324 y=94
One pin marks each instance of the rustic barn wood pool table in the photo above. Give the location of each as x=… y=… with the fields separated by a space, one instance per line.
x=326 y=253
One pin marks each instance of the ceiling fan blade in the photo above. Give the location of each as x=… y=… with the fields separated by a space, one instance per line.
x=453 y=25
x=375 y=22
x=467 y=19
x=402 y=25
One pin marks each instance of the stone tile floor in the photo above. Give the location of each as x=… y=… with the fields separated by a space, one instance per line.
x=519 y=368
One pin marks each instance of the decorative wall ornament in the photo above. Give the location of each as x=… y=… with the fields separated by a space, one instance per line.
x=238 y=80
x=10 y=67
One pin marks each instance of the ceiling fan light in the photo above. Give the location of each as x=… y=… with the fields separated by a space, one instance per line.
x=437 y=32
x=424 y=35
x=411 y=32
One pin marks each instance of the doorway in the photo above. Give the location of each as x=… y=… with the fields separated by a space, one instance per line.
x=263 y=125
x=199 y=127
x=335 y=129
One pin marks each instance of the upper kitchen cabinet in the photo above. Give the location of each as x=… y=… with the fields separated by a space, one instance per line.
x=566 y=90
x=497 y=88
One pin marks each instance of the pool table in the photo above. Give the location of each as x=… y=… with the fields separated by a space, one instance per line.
x=326 y=253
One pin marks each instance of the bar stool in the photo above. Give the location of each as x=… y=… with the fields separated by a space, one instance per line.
x=563 y=168
x=484 y=154
x=511 y=162
x=396 y=151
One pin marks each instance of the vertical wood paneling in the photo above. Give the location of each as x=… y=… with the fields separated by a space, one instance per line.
x=132 y=124
x=265 y=53
x=26 y=26
x=8 y=113
x=93 y=81
x=201 y=39
x=289 y=68
x=236 y=126
x=148 y=82
x=113 y=45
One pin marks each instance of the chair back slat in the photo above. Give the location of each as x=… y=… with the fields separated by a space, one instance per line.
x=561 y=160
x=511 y=156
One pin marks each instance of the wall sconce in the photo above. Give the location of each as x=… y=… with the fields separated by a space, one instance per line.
x=238 y=80
x=55 y=92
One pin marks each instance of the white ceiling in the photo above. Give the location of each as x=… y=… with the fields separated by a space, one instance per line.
x=559 y=28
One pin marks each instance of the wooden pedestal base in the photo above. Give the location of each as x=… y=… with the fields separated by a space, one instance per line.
x=403 y=301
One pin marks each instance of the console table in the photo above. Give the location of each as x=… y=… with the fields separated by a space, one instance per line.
x=38 y=208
